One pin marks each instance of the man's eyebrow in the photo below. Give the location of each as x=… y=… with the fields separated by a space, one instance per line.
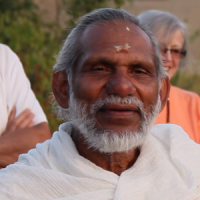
x=141 y=63
x=110 y=62
x=101 y=60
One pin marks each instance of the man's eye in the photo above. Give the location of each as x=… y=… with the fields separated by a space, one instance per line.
x=139 y=71
x=99 y=68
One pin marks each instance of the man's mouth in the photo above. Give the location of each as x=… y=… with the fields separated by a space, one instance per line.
x=117 y=116
x=121 y=110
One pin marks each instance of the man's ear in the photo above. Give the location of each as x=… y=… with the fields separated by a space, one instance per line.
x=60 y=87
x=164 y=92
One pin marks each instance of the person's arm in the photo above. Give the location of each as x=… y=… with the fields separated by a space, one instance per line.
x=26 y=125
x=20 y=141
x=20 y=135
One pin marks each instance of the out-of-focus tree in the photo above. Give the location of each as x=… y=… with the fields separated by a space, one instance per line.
x=33 y=41
x=187 y=80
x=36 y=42
x=19 y=5
x=77 y=8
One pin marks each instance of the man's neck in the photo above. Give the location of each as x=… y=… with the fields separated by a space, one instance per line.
x=115 y=162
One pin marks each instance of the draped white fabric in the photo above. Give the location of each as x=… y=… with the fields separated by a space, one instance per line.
x=168 y=168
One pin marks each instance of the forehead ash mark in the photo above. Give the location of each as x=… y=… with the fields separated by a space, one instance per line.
x=125 y=47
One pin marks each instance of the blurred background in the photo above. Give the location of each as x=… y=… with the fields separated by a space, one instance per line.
x=36 y=29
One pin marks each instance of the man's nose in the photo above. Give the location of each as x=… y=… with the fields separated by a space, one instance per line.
x=120 y=84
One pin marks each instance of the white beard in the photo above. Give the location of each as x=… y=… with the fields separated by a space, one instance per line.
x=109 y=141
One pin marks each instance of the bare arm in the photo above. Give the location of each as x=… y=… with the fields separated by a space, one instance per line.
x=20 y=136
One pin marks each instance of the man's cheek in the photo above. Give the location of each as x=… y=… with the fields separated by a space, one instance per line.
x=85 y=91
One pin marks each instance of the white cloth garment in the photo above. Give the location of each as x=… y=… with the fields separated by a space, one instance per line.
x=15 y=89
x=168 y=168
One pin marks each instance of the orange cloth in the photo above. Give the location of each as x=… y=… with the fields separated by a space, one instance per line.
x=184 y=110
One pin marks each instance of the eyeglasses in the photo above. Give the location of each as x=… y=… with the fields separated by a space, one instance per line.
x=178 y=53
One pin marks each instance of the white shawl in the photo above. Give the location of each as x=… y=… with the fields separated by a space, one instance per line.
x=168 y=168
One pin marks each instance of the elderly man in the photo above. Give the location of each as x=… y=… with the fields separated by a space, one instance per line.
x=109 y=82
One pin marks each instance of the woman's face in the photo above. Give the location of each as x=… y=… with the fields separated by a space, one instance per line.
x=172 y=53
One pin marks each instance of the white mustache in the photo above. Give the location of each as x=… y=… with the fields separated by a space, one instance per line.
x=131 y=100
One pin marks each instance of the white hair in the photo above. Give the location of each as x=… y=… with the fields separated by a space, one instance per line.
x=83 y=117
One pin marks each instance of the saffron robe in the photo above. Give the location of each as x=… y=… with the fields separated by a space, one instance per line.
x=184 y=110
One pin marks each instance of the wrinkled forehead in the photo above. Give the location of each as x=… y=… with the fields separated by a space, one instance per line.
x=116 y=33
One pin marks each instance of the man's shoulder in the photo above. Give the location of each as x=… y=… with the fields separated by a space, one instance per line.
x=178 y=145
x=168 y=130
x=169 y=133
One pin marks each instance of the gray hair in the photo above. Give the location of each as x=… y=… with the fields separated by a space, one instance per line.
x=71 y=50
x=164 y=25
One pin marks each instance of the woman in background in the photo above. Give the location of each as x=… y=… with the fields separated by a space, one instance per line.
x=183 y=107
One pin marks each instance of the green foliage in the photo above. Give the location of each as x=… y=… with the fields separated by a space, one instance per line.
x=194 y=36
x=77 y=8
x=187 y=81
x=36 y=43
x=10 y=5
